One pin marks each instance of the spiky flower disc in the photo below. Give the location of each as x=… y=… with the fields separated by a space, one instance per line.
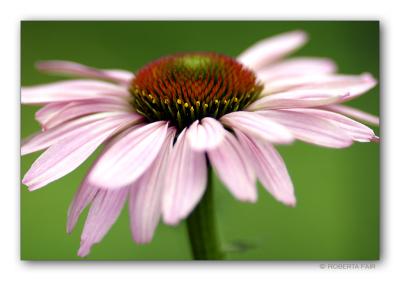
x=190 y=86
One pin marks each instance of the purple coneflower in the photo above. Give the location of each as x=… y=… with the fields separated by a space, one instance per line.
x=168 y=124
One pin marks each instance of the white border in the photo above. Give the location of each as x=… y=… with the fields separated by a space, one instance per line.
x=14 y=11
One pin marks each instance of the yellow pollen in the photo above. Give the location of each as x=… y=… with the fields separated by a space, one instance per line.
x=235 y=99
x=191 y=109
x=179 y=101
x=186 y=104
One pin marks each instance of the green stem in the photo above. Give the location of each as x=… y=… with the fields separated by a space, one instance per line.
x=201 y=226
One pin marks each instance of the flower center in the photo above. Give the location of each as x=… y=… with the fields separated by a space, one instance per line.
x=186 y=87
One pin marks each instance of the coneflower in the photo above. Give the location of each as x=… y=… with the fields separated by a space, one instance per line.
x=168 y=124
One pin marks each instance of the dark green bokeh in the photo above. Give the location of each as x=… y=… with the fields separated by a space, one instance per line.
x=337 y=216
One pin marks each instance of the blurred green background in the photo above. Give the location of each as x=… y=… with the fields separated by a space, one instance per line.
x=337 y=216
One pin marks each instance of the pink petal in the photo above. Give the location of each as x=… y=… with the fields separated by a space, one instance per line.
x=310 y=128
x=78 y=109
x=311 y=81
x=82 y=199
x=257 y=126
x=47 y=138
x=272 y=49
x=126 y=159
x=48 y=111
x=206 y=135
x=300 y=98
x=353 y=113
x=72 y=90
x=67 y=154
x=146 y=194
x=234 y=169
x=270 y=168
x=357 y=131
x=296 y=67
x=354 y=87
x=105 y=210
x=186 y=181
x=76 y=69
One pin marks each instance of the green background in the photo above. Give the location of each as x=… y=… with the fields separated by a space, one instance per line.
x=337 y=216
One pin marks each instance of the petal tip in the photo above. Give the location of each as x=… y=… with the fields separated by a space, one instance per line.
x=171 y=220
x=84 y=249
x=31 y=188
x=368 y=77
x=142 y=240
x=302 y=34
x=24 y=150
x=375 y=139
x=286 y=199
x=246 y=198
x=27 y=181
x=70 y=225
x=41 y=64
x=291 y=202
x=252 y=199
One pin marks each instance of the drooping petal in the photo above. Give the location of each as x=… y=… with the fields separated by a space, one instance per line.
x=357 y=131
x=126 y=159
x=310 y=128
x=67 y=154
x=270 y=168
x=354 y=87
x=78 y=109
x=77 y=69
x=146 y=194
x=207 y=134
x=49 y=137
x=234 y=169
x=105 y=209
x=299 y=98
x=44 y=114
x=272 y=49
x=72 y=90
x=310 y=80
x=186 y=181
x=83 y=197
x=296 y=67
x=257 y=126
x=353 y=113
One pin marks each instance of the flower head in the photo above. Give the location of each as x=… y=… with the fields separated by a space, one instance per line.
x=162 y=125
x=189 y=87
